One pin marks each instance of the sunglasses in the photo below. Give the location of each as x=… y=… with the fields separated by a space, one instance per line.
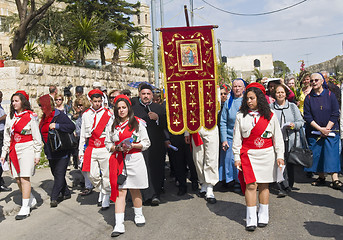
x=314 y=80
x=223 y=93
x=58 y=99
x=79 y=105
x=112 y=97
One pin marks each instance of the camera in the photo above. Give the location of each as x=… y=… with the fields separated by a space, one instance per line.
x=66 y=91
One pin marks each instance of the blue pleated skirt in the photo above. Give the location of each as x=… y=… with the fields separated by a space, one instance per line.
x=227 y=169
x=326 y=158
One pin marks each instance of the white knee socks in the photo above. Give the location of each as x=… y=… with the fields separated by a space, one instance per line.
x=263 y=213
x=32 y=201
x=119 y=227
x=139 y=218
x=251 y=216
x=25 y=209
x=209 y=191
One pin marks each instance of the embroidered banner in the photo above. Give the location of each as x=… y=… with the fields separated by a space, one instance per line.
x=189 y=65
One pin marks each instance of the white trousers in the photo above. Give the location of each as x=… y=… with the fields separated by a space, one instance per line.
x=205 y=156
x=99 y=172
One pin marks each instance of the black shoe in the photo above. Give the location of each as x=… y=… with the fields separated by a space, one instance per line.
x=3 y=188
x=53 y=203
x=116 y=234
x=211 y=200
x=250 y=228
x=282 y=194
x=155 y=201
x=202 y=194
x=195 y=186
x=104 y=208
x=262 y=225
x=86 y=192
x=21 y=217
x=147 y=202
x=99 y=204
x=295 y=189
x=182 y=191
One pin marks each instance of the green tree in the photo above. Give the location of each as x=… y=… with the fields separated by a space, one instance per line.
x=136 y=52
x=111 y=14
x=223 y=73
x=29 y=52
x=83 y=36
x=29 y=15
x=280 y=69
x=119 y=39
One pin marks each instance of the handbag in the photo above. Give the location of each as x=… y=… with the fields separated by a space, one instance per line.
x=300 y=156
x=61 y=141
x=121 y=177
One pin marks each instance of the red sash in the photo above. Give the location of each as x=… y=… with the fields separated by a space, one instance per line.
x=197 y=139
x=18 y=137
x=254 y=141
x=117 y=164
x=95 y=141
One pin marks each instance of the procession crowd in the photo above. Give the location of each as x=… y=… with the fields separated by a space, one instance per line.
x=120 y=142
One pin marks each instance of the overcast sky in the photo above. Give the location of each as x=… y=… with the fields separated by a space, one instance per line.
x=309 y=19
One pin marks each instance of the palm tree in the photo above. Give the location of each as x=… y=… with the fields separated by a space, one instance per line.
x=118 y=39
x=136 y=53
x=84 y=37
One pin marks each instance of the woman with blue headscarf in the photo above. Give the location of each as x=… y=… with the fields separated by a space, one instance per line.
x=227 y=170
x=321 y=113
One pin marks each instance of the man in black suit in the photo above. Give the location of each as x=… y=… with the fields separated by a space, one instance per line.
x=154 y=115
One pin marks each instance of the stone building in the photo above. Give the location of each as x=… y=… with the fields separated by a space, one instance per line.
x=244 y=65
x=7 y=7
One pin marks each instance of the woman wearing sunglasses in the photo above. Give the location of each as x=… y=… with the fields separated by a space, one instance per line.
x=321 y=113
x=59 y=102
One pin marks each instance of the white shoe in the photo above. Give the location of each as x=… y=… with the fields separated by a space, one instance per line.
x=119 y=228
x=139 y=217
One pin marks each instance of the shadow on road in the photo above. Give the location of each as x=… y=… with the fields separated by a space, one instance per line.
x=2 y=217
x=322 y=200
x=231 y=210
x=47 y=185
x=320 y=229
x=15 y=195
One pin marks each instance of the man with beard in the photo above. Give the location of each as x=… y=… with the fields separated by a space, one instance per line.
x=155 y=118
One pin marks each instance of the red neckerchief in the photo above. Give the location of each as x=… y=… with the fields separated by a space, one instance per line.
x=254 y=141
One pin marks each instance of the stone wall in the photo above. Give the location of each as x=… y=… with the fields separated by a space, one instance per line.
x=329 y=65
x=35 y=78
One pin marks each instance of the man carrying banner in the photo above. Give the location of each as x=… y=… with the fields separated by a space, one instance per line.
x=92 y=148
x=205 y=155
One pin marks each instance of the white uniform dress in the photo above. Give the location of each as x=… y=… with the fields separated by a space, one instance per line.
x=27 y=151
x=263 y=161
x=136 y=171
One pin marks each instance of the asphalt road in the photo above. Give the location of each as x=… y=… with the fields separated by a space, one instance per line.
x=310 y=213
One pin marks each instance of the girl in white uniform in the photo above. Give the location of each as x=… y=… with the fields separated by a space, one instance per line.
x=126 y=138
x=22 y=141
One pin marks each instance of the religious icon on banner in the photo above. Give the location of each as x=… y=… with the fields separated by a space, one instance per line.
x=189 y=65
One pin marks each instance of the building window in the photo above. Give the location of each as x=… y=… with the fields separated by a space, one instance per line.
x=138 y=19
x=146 y=18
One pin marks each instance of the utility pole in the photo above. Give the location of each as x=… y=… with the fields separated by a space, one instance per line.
x=192 y=12
x=154 y=42
x=219 y=50
x=162 y=13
